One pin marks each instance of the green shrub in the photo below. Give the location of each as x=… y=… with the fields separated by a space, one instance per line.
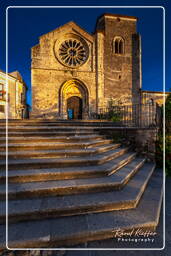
x=168 y=107
x=114 y=116
x=159 y=144
x=159 y=153
x=117 y=137
x=168 y=155
x=168 y=114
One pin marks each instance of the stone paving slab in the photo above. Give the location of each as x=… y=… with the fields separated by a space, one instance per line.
x=65 y=231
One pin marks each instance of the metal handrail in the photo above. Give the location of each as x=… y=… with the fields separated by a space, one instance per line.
x=135 y=115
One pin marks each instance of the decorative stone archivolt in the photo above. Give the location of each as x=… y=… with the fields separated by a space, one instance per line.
x=72 y=51
x=69 y=89
x=72 y=90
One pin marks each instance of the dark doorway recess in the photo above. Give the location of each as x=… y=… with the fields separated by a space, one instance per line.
x=74 y=107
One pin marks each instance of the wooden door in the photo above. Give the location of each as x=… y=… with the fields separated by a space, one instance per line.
x=74 y=107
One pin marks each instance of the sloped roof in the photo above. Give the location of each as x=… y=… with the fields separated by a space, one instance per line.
x=16 y=75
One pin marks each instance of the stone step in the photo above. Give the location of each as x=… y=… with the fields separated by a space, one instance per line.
x=49 y=133
x=58 y=153
x=75 y=138
x=60 y=123
x=73 y=230
x=21 y=128
x=66 y=187
x=53 y=145
x=31 y=175
x=47 y=207
x=63 y=162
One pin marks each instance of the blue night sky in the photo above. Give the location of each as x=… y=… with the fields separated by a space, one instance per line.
x=27 y=24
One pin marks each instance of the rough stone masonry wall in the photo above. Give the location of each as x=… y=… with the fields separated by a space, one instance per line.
x=46 y=94
x=136 y=68
x=143 y=140
x=118 y=67
x=100 y=69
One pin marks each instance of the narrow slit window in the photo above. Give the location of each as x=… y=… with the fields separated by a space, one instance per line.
x=116 y=47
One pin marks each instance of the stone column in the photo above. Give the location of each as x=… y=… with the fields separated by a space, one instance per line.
x=99 y=70
x=136 y=68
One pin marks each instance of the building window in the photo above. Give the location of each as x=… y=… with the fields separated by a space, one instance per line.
x=118 y=45
x=2 y=108
x=2 y=92
x=22 y=98
x=73 y=52
x=1 y=87
x=151 y=101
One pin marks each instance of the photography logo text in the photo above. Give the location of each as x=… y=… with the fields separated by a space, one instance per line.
x=134 y=235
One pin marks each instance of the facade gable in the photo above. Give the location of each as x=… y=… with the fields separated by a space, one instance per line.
x=46 y=53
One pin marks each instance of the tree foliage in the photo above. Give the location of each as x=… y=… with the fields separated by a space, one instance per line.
x=159 y=144
x=168 y=113
x=168 y=107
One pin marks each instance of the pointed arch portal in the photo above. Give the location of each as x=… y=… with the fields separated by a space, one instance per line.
x=73 y=100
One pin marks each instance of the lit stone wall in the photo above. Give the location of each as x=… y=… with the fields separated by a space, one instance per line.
x=122 y=72
x=158 y=97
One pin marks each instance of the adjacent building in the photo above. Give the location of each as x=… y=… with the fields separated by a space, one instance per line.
x=153 y=96
x=12 y=101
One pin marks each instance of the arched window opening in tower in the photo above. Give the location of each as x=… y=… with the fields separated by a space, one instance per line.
x=118 y=45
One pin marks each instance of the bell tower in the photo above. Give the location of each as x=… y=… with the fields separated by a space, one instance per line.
x=122 y=57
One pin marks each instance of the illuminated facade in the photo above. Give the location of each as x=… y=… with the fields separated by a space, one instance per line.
x=16 y=98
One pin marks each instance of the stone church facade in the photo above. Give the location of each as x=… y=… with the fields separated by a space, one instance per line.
x=75 y=74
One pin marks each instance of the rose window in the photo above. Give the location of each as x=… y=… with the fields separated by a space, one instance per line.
x=72 y=53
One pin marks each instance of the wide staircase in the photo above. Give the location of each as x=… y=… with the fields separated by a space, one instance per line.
x=68 y=184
